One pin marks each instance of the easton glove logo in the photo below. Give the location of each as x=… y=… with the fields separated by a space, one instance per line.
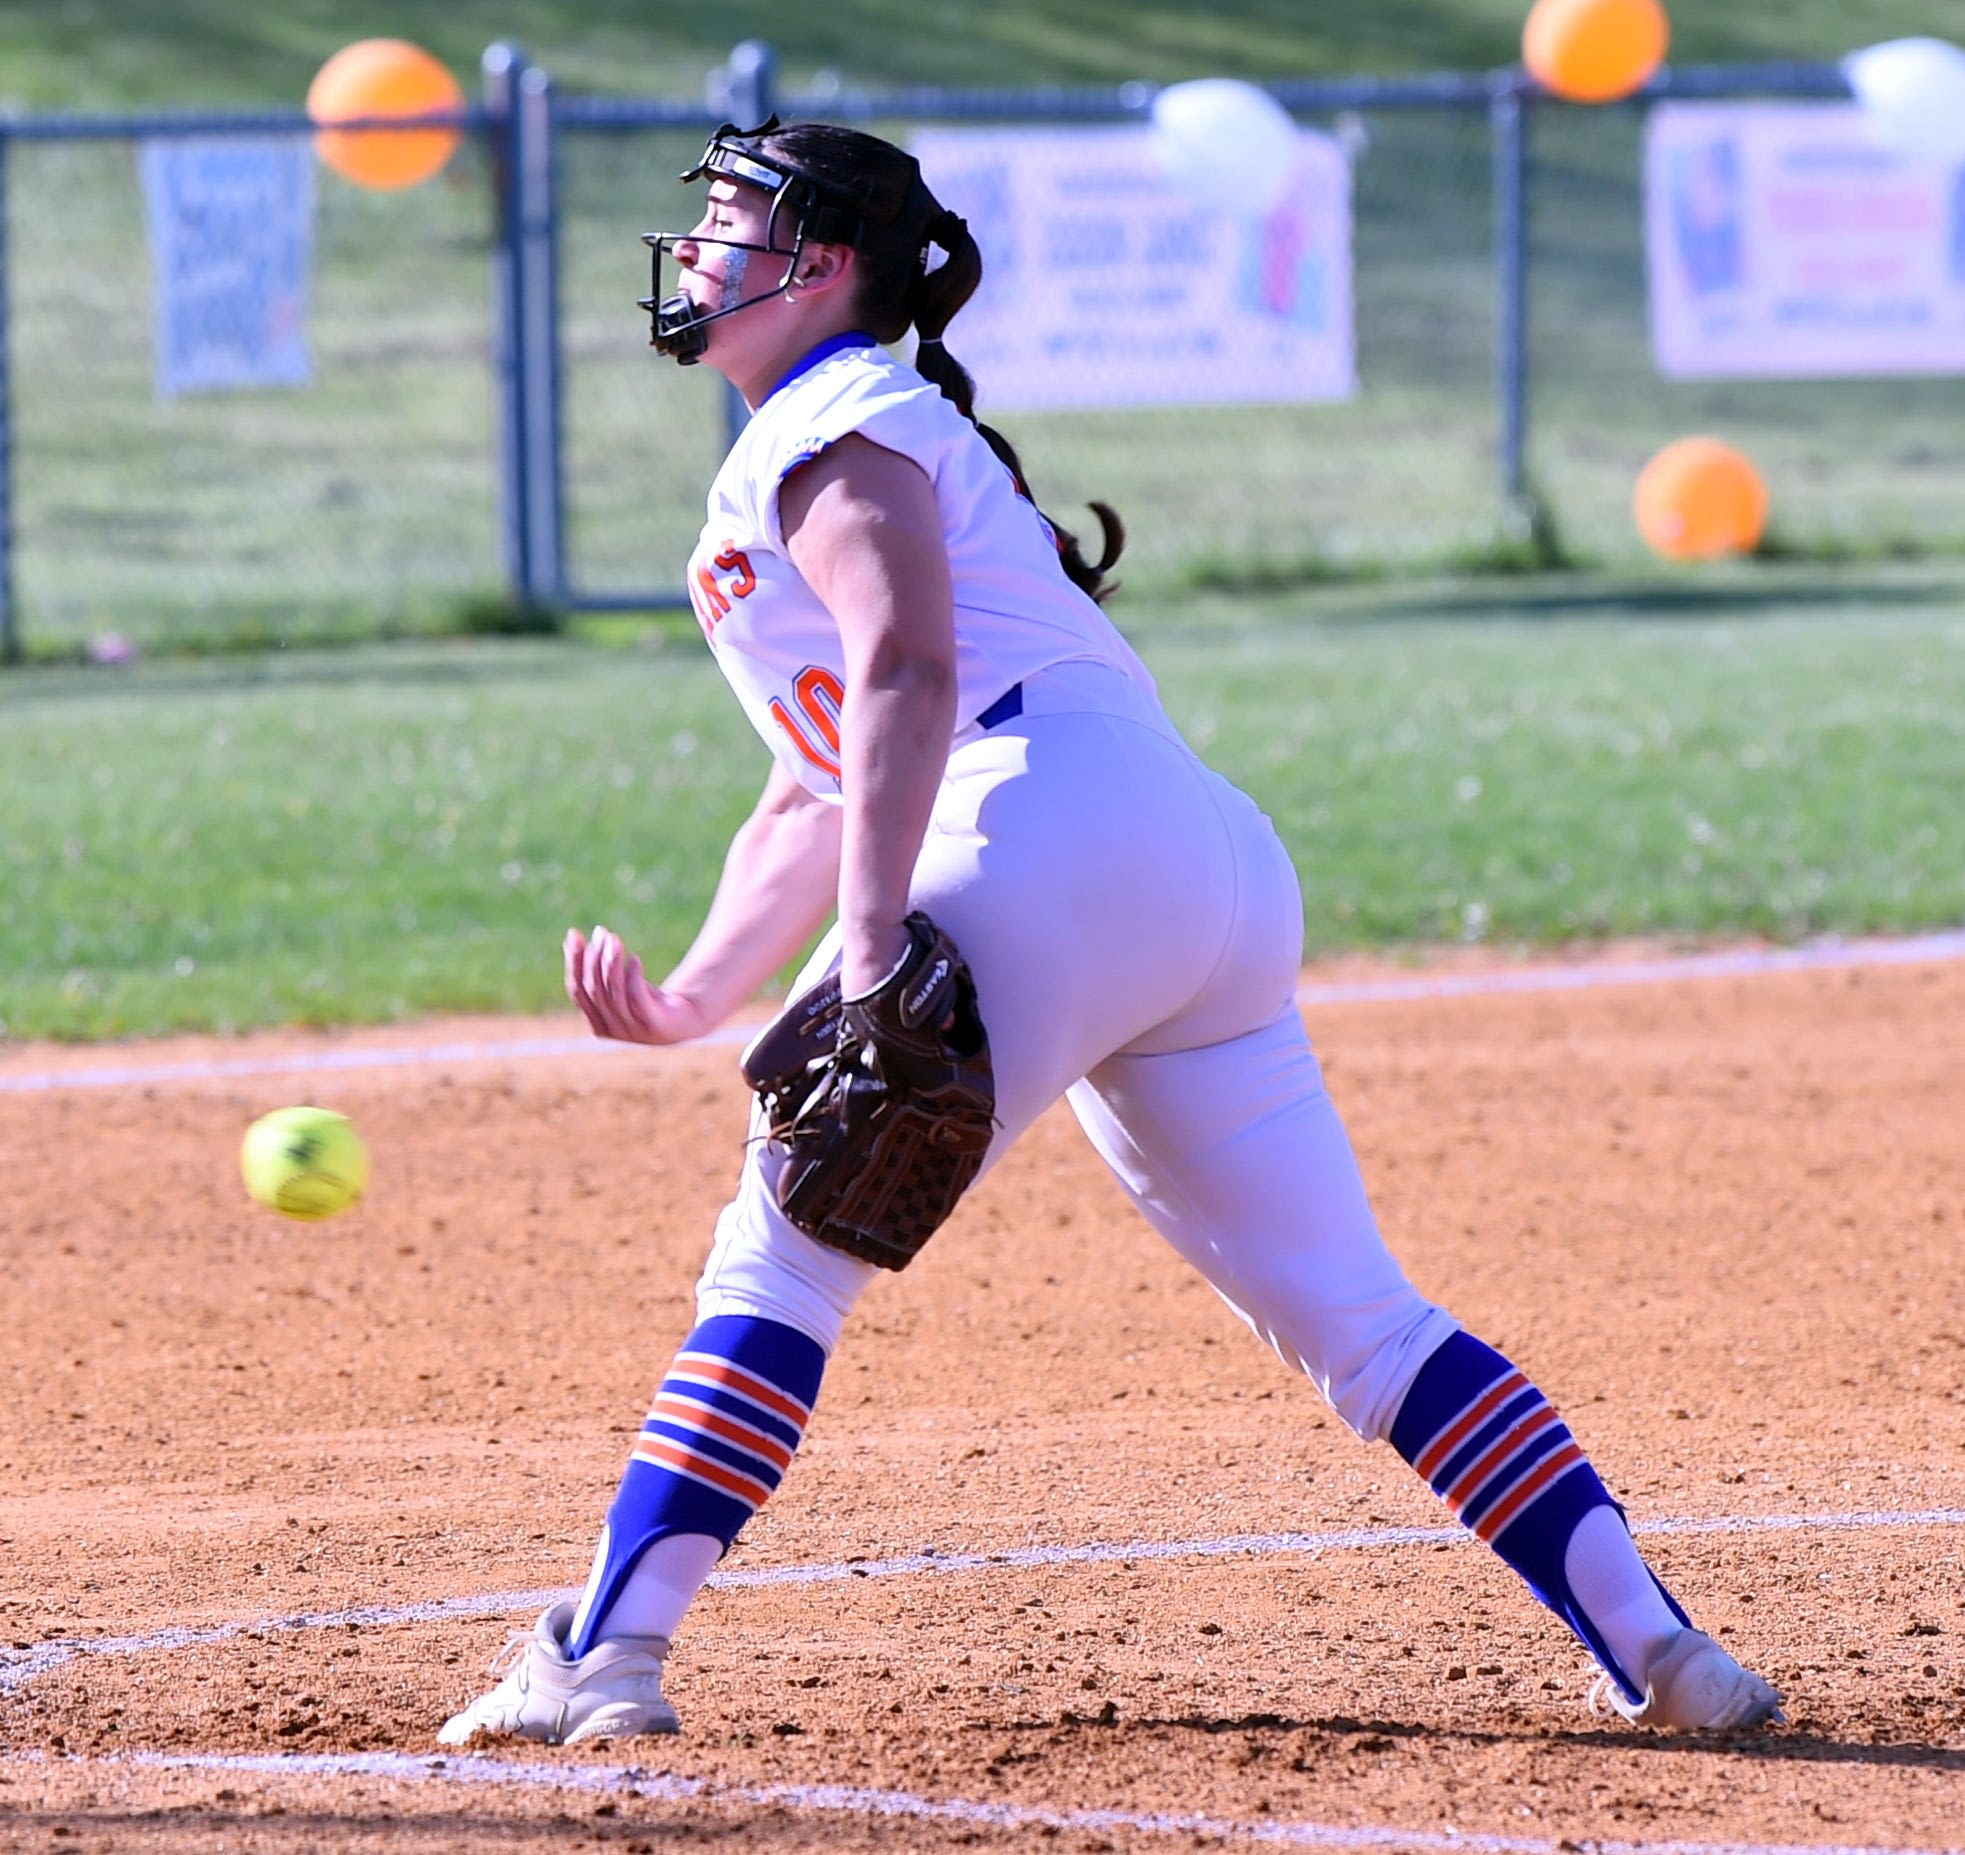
x=915 y=1007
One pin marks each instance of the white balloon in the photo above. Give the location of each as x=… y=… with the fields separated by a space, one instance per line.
x=1225 y=143
x=1913 y=92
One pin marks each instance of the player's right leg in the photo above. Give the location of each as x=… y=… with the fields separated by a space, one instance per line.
x=1236 y=1154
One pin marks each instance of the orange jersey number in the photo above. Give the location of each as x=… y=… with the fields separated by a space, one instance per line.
x=820 y=697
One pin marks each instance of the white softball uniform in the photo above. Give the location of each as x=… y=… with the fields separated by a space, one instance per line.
x=1133 y=922
x=1016 y=613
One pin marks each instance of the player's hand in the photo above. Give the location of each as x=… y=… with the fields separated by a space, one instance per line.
x=606 y=981
x=869 y=953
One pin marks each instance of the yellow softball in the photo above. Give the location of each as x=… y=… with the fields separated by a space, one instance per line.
x=305 y=1163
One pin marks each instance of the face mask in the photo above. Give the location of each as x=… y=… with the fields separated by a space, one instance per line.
x=799 y=206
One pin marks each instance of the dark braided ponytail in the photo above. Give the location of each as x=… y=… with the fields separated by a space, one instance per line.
x=899 y=291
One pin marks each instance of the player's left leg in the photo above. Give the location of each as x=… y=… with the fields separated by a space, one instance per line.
x=728 y=1416
x=731 y=1409
x=730 y=1413
x=1236 y=1154
x=1073 y=954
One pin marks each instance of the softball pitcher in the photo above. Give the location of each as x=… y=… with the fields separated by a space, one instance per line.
x=1039 y=891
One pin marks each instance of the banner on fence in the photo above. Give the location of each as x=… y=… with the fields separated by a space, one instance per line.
x=1782 y=241
x=231 y=247
x=1105 y=286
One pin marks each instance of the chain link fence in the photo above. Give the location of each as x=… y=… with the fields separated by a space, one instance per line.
x=364 y=500
x=484 y=429
x=1868 y=466
x=1406 y=468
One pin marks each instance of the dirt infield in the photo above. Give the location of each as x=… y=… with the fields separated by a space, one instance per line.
x=1717 y=1218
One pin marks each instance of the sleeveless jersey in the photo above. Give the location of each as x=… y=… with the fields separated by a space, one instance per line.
x=1016 y=611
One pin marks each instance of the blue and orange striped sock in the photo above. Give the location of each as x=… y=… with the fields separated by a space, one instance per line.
x=712 y=1449
x=1493 y=1449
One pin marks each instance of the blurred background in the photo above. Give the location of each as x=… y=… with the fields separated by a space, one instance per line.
x=260 y=392
x=1500 y=391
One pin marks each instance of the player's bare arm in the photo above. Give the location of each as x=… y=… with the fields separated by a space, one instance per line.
x=779 y=879
x=862 y=526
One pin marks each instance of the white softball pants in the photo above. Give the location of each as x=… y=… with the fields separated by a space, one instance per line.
x=1135 y=930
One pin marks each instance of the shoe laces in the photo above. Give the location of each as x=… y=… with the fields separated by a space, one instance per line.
x=1604 y=1695
x=505 y=1659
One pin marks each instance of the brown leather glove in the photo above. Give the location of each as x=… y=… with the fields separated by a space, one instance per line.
x=884 y=1103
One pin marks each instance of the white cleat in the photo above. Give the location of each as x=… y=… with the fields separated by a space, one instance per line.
x=1694 y=1687
x=614 y=1691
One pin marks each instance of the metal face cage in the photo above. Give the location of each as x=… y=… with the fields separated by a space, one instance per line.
x=679 y=327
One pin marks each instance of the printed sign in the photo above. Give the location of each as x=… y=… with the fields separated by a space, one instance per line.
x=1105 y=286
x=231 y=237
x=1782 y=240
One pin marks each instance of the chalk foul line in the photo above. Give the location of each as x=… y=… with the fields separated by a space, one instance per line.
x=1744 y=962
x=970 y=1813
x=20 y=1666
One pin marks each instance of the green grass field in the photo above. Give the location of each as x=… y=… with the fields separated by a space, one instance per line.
x=372 y=834
x=264 y=835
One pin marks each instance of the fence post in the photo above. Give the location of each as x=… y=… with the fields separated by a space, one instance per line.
x=503 y=68
x=750 y=77
x=539 y=291
x=1507 y=116
x=9 y=631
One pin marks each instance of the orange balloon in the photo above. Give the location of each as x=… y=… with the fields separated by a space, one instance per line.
x=383 y=77
x=1698 y=499
x=1594 y=51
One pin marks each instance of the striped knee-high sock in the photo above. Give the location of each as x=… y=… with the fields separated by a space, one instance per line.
x=712 y=1449
x=1493 y=1449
